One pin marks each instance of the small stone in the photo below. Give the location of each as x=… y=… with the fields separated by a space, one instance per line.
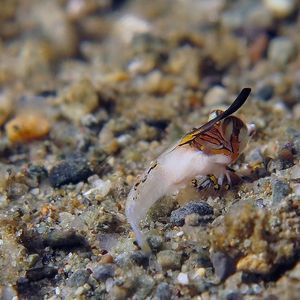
x=155 y=242
x=102 y=272
x=183 y=278
x=265 y=93
x=78 y=100
x=8 y=292
x=215 y=96
x=163 y=292
x=140 y=258
x=69 y=171
x=118 y=293
x=79 y=278
x=223 y=264
x=280 y=190
x=37 y=274
x=145 y=284
x=280 y=8
x=281 y=50
x=202 y=209
x=169 y=259
x=27 y=127
x=106 y=259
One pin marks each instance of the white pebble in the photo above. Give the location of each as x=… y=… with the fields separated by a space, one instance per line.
x=216 y=95
x=183 y=278
x=280 y=8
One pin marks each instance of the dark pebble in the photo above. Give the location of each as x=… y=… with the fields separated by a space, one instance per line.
x=64 y=239
x=280 y=190
x=79 y=278
x=201 y=208
x=234 y=296
x=265 y=93
x=102 y=272
x=140 y=258
x=69 y=171
x=36 y=274
x=155 y=243
x=223 y=264
x=163 y=292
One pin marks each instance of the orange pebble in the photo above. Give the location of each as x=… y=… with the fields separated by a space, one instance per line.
x=25 y=128
x=107 y=259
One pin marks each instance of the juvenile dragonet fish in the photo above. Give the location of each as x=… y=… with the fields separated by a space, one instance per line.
x=207 y=150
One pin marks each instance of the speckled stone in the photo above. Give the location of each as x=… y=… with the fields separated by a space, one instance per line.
x=169 y=259
x=280 y=190
x=79 y=278
x=200 y=208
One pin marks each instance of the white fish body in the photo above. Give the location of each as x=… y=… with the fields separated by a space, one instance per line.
x=172 y=171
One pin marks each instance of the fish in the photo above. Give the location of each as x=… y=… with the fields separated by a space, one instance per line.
x=206 y=150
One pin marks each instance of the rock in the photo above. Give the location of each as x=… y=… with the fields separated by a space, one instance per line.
x=280 y=190
x=140 y=258
x=118 y=293
x=27 y=127
x=169 y=259
x=281 y=50
x=78 y=278
x=102 y=272
x=265 y=93
x=69 y=171
x=163 y=292
x=280 y=8
x=155 y=242
x=215 y=96
x=64 y=239
x=37 y=274
x=200 y=208
x=223 y=264
x=183 y=278
x=145 y=284
x=8 y=292
x=78 y=100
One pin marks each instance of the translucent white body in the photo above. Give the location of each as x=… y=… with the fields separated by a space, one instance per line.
x=171 y=172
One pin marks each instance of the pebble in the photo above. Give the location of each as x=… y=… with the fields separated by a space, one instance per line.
x=102 y=272
x=78 y=100
x=280 y=190
x=155 y=242
x=281 y=50
x=183 y=278
x=78 y=278
x=163 y=292
x=16 y=189
x=223 y=264
x=27 y=127
x=200 y=208
x=145 y=284
x=8 y=292
x=69 y=171
x=265 y=93
x=215 y=96
x=280 y=8
x=169 y=259
x=140 y=258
